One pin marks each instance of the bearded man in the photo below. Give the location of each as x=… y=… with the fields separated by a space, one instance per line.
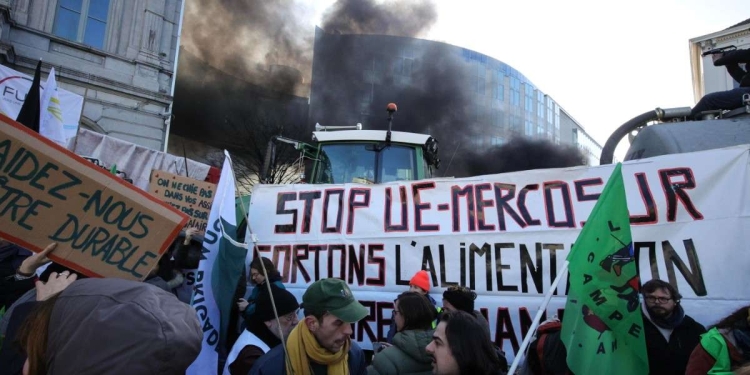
x=671 y=335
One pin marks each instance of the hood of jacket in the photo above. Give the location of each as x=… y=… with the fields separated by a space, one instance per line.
x=123 y=327
x=413 y=344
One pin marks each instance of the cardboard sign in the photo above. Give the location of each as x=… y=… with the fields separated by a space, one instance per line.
x=104 y=226
x=190 y=196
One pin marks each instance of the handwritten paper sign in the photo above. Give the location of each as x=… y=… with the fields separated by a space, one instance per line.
x=190 y=196
x=104 y=226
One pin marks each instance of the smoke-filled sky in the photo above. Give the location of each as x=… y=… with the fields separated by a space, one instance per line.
x=603 y=63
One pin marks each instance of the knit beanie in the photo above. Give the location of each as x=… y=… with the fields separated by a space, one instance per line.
x=285 y=303
x=422 y=280
x=461 y=298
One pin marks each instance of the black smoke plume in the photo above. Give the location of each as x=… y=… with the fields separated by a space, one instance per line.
x=399 y=18
x=522 y=154
x=221 y=111
x=437 y=87
x=355 y=76
x=241 y=80
x=263 y=51
x=263 y=42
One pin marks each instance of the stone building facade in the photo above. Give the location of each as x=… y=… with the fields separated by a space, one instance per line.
x=118 y=54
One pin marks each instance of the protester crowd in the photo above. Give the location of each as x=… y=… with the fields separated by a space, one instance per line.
x=61 y=322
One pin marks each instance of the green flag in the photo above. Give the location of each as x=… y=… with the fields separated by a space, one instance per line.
x=602 y=327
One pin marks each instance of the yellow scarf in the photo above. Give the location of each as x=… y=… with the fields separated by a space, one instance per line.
x=301 y=346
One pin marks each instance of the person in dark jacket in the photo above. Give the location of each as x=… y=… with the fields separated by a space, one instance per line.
x=17 y=271
x=670 y=334
x=419 y=283
x=729 y=99
x=247 y=306
x=263 y=331
x=109 y=326
x=320 y=343
x=413 y=314
x=725 y=347
x=547 y=354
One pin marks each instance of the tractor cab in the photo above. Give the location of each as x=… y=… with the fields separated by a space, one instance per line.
x=364 y=156
x=348 y=154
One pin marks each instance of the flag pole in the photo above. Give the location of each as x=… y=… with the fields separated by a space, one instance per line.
x=537 y=318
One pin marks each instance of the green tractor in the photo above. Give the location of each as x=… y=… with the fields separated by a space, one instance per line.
x=349 y=154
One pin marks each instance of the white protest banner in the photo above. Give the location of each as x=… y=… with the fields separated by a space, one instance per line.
x=506 y=236
x=13 y=88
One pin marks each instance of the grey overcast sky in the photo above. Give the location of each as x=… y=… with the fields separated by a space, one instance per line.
x=604 y=62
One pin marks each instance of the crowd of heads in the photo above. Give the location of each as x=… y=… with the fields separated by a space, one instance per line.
x=111 y=319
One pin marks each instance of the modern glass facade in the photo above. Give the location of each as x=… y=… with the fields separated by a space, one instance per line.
x=489 y=100
x=524 y=110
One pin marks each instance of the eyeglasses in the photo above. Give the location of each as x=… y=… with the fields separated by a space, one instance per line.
x=290 y=317
x=659 y=300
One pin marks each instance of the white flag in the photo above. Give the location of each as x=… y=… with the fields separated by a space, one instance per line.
x=217 y=276
x=51 y=123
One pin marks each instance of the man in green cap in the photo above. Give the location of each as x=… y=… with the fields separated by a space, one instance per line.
x=320 y=344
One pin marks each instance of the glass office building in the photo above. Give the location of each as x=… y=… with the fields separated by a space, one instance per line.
x=440 y=88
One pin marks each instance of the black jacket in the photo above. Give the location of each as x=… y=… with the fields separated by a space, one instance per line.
x=731 y=61
x=665 y=358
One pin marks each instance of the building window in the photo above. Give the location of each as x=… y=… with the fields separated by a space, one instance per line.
x=497 y=141
x=550 y=104
x=481 y=113
x=403 y=66
x=83 y=21
x=529 y=99
x=479 y=88
x=498 y=118
x=479 y=79
x=515 y=91
x=499 y=93
x=529 y=128
x=515 y=124
x=540 y=104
